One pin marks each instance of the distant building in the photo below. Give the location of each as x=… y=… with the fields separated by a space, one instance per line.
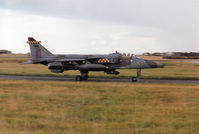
x=175 y=55
x=182 y=55
x=5 y=52
x=155 y=54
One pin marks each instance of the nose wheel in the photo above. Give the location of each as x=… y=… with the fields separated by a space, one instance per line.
x=134 y=79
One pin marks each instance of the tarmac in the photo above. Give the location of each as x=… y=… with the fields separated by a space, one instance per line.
x=116 y=80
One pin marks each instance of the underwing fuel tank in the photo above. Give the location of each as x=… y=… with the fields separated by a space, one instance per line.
x=91 y=67
x=55 y=65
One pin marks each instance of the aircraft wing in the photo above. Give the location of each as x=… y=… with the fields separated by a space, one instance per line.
x=68 y=60
x=95 y=57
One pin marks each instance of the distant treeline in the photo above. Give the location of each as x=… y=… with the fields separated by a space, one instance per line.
x=175 y=55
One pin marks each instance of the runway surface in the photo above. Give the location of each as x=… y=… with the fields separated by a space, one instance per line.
x=123 y=80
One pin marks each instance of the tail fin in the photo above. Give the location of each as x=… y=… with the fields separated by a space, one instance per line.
x=37 y=50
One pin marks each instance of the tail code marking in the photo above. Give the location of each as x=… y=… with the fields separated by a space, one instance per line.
x=39 y=53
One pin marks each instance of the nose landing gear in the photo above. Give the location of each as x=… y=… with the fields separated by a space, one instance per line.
x=134 y=79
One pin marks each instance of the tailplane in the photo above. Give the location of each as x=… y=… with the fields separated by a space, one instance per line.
x=38 y=52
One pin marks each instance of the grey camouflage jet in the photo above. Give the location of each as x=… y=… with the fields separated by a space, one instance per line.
x=85 y=63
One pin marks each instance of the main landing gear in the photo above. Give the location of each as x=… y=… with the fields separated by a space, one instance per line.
x=83 y=76
x=134 y=79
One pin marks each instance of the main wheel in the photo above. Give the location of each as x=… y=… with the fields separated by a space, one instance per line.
x=79 y=78
x=134 y=79
x=84 y=77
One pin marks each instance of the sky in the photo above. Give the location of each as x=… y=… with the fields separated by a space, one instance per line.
x=100 y=26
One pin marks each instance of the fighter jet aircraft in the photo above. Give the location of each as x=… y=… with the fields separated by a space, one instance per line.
x=85 y=63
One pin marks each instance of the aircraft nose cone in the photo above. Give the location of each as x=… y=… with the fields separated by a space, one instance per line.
x=160 y=65
x=153 y=64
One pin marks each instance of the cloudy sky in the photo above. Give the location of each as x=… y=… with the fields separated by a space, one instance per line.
x=100 y=26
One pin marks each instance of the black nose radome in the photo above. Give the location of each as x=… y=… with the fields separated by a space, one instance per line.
x=159 y=65
x=153 y=64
